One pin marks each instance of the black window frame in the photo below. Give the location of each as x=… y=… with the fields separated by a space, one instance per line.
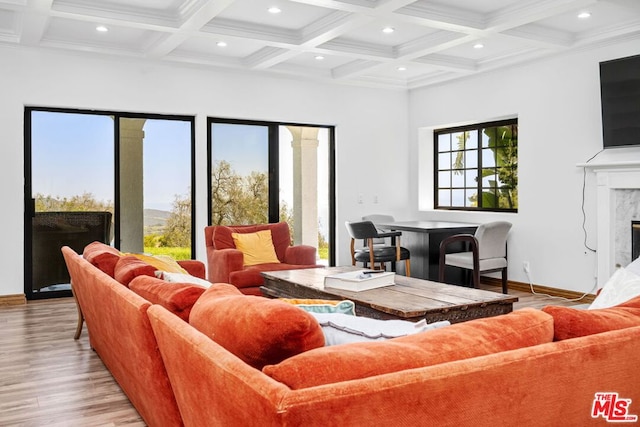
x=477 y=128
x=274 y=170
x=29 y=202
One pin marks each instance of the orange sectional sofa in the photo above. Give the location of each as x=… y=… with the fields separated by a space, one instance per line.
x=266 y=364
x=119 y=328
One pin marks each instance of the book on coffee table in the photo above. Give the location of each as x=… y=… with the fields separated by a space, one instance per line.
x=360 y=280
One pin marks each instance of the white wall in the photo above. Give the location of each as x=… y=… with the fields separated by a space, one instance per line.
x=371 y=126
x=557 y=102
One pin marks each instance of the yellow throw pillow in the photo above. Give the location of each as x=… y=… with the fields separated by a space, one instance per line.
x=257 y=247
x=161 y=262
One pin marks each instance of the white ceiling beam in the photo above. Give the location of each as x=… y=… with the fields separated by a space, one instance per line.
x=198 y=16
x=540 y=36
x=526 y=12
x=35 y=20
x=352 y=68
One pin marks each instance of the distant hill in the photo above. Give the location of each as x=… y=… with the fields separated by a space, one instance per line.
x=155 y=217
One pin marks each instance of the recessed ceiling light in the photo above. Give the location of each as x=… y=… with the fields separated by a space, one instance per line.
x=102 y=28
x=221 y=44
x=402 y=68
x=319 y=57
x=274 y=10
x=584 y=15
x=388 y=30
x=478 y=46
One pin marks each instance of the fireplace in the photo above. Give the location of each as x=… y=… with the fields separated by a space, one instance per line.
x=617 y=174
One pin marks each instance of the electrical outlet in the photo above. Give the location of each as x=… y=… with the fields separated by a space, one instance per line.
x=526 y=267
x=360 y=199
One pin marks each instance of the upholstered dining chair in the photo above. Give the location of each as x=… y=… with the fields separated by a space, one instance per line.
x=377 y=219
x=487 y=252
x=379 y=253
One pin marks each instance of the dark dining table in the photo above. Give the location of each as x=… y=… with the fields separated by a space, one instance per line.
x=423 y=238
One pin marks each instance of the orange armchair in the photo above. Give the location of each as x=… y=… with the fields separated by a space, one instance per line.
x=226 y=263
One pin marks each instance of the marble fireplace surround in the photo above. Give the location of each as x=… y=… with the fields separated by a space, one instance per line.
x=617 y=180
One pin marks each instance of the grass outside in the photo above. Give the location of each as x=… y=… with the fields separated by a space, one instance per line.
x=180 y=254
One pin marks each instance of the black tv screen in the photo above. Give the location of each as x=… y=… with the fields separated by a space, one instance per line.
x=620 y=93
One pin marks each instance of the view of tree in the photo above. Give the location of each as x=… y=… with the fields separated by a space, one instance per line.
x=85 y=202
x=177 y=231
x=237 y=199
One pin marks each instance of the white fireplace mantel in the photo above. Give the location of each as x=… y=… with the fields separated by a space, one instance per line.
x=617 y=169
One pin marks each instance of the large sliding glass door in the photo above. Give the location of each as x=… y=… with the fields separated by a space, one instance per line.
x=124 y=179
x=268 y=172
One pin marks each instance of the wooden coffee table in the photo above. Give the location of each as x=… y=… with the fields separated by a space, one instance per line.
x=408 y=299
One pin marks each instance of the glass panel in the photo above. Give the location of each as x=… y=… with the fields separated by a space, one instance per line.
x=471 y=199
x=486 y=134
x=489 y=198
x=167 y=188
x=304 y=170
x=444 y=142
x=458 y=140
x=444 y=179
x=457 y=198
x=472 y=140
x=489 y=180
x=72 y=165
x=503 y=135
x=444 y=197
x=239 y=176
x=471 y=159
x=457 y=179
x=503 y=156
x=471 y=176
x=444 y=161
x=488 y=158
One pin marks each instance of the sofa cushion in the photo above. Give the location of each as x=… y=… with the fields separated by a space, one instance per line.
x=194 y=267
x=258 y=330
x=256 y=248
x=161 y=262
x=340 y=328
x=129 y=267
x=522 y=328
x=222 y=238
x=323 y=305
x=182 y=278
x=178 y=298
x=621 y=286
x=572 y=322
x=102 y=256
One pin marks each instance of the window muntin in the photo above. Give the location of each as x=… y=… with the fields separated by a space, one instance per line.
x=477 y=167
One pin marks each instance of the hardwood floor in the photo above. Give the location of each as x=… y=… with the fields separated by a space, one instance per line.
x=48 y=378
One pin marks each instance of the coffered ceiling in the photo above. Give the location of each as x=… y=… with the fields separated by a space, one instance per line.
x=332 y=40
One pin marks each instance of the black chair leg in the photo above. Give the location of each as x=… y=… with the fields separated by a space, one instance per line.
x=505 y=289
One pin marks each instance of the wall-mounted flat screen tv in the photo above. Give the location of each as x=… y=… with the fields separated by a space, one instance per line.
x=620 y=94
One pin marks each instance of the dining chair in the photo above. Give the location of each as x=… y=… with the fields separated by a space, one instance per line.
x=487 y=252
x=377 y=219
x=379 y=253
